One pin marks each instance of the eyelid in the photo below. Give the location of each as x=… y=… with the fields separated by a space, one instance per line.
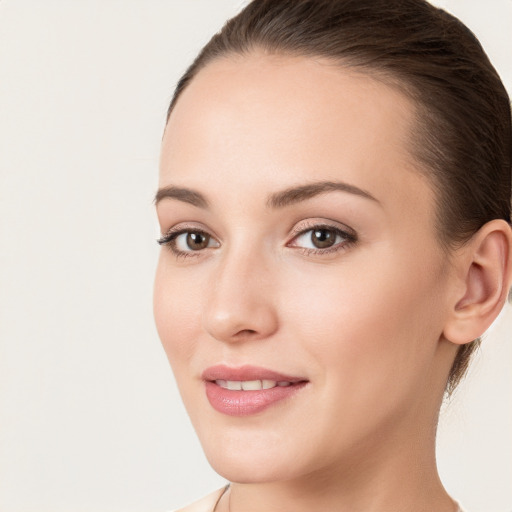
x=186 y=226
x=319 y=223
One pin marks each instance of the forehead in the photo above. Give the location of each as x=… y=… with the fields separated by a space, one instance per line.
x=290 y=119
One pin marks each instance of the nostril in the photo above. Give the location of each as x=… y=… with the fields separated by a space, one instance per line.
x=246 y=332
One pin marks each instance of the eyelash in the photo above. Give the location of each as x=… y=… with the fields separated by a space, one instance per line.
x=350 y=238
x=169 y=240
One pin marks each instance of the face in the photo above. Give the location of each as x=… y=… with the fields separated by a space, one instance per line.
x=300 y=263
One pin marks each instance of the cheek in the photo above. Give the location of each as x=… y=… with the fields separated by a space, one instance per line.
x=368 y=324
x=177 y=313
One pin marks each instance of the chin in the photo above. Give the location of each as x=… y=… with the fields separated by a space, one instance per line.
x=252 y=458
x=246 y=471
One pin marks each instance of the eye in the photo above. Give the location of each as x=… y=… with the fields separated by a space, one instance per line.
x=323 y=239
x=186 y=241
x=192 y=241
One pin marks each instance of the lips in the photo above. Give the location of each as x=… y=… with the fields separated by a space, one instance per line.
x=248 y=390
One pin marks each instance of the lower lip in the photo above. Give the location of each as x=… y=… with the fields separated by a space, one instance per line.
x=245 y=403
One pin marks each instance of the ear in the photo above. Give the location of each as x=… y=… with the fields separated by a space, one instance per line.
x=484 y=269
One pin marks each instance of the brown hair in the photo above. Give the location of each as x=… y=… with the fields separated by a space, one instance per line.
x=463 y=138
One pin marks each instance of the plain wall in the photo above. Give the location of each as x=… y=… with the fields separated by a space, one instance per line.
x=90 y=418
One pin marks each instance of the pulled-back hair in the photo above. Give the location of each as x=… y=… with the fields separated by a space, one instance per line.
x=462 y=140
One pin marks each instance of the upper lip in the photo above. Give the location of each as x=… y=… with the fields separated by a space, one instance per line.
x=246 y=373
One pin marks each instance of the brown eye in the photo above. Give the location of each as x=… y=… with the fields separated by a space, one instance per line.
x=323 y=238
x=197 y=240
x=187 y=241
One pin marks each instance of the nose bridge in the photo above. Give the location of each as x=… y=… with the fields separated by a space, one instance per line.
x=240 y=301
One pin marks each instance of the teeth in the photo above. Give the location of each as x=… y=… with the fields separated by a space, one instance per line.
x=250 y=385
x=267 y=384
x=234 y=385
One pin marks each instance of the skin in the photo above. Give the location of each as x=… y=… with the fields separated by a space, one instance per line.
x=363 y=324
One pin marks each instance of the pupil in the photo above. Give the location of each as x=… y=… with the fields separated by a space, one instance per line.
x=323 y=238
x=197 y=241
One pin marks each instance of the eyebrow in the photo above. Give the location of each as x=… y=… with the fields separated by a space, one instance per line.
x=277 y=200
x=294 y=195
x=185 y=195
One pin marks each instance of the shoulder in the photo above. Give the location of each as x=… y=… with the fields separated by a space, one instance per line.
x=205 y=504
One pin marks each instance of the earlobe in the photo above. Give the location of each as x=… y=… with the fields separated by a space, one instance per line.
x=486 y=270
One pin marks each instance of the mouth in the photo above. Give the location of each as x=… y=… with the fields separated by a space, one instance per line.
x=248 y=390
x=251 y=385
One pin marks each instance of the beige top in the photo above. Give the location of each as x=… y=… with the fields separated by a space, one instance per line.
x=207 y=504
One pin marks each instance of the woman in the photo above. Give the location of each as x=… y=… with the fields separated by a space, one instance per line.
x=334 y=201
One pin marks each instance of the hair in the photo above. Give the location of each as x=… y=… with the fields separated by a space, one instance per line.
x=462 y=139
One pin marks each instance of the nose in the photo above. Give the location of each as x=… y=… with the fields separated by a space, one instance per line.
x=241 y=302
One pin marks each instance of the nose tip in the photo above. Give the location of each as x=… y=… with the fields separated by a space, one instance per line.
x=240 y=306
x=238 y=323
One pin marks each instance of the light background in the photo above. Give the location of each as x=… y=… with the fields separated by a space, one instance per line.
x=90 y=419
